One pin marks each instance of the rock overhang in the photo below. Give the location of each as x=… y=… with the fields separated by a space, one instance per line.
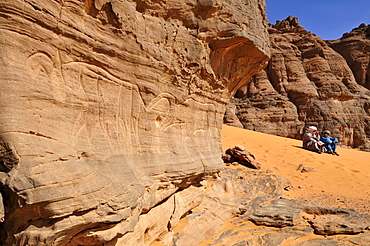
x=102 y=97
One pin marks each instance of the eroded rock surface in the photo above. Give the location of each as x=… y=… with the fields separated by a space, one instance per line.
x=310 y=82
x=109 y=107
x=240 y=199
x=233 y=193
x=355 y=48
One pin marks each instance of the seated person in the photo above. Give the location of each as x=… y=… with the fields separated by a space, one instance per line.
x=311 y=140
x=330 y=142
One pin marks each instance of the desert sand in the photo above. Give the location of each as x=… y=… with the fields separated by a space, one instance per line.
x=338 y=181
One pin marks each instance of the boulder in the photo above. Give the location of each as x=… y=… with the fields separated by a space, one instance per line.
x=304 y=169
x=242 y=156
x=279 y=214
x=323 y=220
x=336 y=224
x=228 y=158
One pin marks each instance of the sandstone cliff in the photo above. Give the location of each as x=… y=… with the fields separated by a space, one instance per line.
x=355 y=48
x=309 y=82
x=112 y=109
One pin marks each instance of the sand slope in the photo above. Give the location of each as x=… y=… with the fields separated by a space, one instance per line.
x=339 y=181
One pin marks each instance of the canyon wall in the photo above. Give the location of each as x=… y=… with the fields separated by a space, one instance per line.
x=111 y=111
x=309 y=81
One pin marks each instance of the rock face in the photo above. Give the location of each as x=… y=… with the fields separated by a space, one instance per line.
x=310 y=82
x=109 y=108
x=355 y=48
x=240 y=196
x=233 y=193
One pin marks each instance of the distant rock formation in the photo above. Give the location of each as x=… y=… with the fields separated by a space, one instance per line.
x=310 y=82
x=111 y=108
x=355 y=48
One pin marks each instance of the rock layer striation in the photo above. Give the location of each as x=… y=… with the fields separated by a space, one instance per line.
x=309 y=81
x=110 y=108
x=245 y=207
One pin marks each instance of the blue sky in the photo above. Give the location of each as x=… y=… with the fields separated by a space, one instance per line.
x=328 y=19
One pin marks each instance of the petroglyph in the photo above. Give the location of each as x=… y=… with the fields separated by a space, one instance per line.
x=42 y=70
x=113 y=94
x=110 y=109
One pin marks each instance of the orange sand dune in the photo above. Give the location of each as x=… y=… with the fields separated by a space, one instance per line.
x=339 y=181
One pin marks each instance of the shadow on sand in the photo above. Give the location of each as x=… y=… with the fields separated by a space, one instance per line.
x=300 y=147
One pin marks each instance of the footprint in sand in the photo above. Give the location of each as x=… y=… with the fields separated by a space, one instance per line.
x=339 y=166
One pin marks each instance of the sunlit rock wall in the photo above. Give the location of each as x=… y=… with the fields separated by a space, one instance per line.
x=108 y=108
x=307 y=82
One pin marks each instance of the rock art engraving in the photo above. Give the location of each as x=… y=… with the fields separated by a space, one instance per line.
x=109 y=108
x=41 y=68
x=112 y=107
